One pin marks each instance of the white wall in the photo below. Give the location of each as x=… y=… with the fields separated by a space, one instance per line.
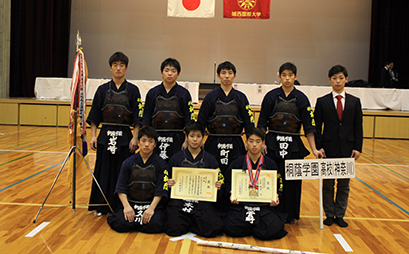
x=314 y=34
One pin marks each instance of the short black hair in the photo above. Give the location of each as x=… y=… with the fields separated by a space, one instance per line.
x=337 y=69
x=149 y=132
x=194 y=126
x=256 y=131
x=170 y=62
x=388 y=62
x=226 y=66
x=119 y=57
x=287 y=66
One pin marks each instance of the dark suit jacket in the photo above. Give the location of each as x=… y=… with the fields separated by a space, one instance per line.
x=385 y=79
x=338 y=137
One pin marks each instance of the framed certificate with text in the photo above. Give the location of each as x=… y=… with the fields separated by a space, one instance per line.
x=194 y=184
x=267 y=186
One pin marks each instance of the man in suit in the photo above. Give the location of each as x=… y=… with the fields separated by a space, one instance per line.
x=388 y=76
x=341 y=115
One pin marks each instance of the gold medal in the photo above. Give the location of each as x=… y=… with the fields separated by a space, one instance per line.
x=253 y=180
x=253 y=193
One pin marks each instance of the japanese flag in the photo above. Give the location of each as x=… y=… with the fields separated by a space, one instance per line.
x=191 y=8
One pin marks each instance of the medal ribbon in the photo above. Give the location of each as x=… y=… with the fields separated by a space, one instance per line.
x=253 y=182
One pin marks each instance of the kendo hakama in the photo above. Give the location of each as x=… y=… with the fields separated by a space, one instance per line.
x=199 y=217
x=282 y=116
x=257 y=219
x=168 y=113
x=141 y=182
x=116 y=109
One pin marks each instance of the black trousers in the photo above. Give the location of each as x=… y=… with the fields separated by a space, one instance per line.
x=337 y=207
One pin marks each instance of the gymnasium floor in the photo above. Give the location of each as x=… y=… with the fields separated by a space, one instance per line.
x=30 y=158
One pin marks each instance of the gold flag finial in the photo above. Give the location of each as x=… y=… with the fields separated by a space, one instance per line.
x=78 y=41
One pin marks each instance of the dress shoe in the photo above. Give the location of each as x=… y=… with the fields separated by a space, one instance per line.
x=328 y=221
x=341 y=222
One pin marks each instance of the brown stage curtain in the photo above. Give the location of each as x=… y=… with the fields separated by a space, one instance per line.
x=40 y=32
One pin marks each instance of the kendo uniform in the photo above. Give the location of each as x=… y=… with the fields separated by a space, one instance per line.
x=199 y=217
x=282 y=116
x=141 y=182
x=225 y=117
x=257 y=219
x=117 y=110
x=168 y=113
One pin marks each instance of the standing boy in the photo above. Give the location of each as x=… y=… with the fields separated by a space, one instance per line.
x=199 y=217
x=142 y=188
x=168 y=108
x=341 y=137
x=258 y=219
x=282 y=113
x=225 y=111
x=117 y=106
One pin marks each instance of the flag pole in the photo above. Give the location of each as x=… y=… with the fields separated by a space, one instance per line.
x=74 y=159
x=73 y=151
x=214 y=73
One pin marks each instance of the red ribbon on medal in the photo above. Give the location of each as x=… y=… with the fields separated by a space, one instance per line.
x=253 y=181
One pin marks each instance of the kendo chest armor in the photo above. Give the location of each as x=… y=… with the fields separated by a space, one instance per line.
x=188 y=164
x=116 y=109
x=285 y=117
x=141 y=184
x=226 y=119
x=167 y=114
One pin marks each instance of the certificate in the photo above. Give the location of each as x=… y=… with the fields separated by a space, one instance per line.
x=267 y=186
x=194 y=184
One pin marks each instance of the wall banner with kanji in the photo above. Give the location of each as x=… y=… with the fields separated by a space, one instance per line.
x=246 y=9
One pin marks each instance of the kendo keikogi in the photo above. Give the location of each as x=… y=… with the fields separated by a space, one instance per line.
x=168 y=113
x=199 y=217
x=283 y=116
x=117 y=110
x=141 y=182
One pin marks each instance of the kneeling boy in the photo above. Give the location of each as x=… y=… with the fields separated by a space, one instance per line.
x=258 y=219
x=142 y=188
x=199 y=217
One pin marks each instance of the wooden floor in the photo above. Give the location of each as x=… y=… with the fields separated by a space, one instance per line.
x=30 y=158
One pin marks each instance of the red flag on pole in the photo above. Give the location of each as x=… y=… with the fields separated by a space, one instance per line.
x=78 y=91
x=246 y=9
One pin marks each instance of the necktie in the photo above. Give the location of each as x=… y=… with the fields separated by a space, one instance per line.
x=339 y=106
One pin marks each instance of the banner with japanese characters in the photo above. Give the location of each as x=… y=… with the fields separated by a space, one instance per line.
x=246 y=9
x=320 y=169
